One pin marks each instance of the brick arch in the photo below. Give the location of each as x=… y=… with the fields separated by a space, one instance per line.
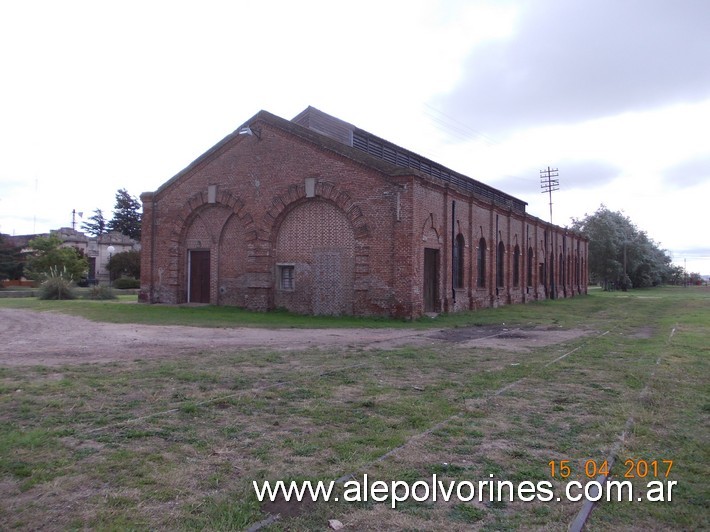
x=192 y=207
x=316 y=239
x=184 y=220
x=358 y=279
x=429 y=230
x=296 y=194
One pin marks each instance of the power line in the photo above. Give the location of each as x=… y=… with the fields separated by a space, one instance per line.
x=549 y=183
x=462 y=130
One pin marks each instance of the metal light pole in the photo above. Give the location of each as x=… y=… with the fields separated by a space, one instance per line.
x=110 y=250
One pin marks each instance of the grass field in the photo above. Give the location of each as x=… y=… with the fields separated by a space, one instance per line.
x=123 y=311
x=176 y=443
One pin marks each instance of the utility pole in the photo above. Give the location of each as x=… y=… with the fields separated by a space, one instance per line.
x=549 y=183
x=73 y=217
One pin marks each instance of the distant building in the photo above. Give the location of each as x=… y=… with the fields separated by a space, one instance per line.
x=320 y=217
x=94 y=248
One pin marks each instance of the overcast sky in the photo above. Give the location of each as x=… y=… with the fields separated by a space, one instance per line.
x=97 y=96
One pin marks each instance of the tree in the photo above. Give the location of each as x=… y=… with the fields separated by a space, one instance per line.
x=126 y=215
x=11 y=260
x=676 y=275
x=695 y=279
x=620 y=254
x=96 y=224
x=126 y=263
x=47 y=254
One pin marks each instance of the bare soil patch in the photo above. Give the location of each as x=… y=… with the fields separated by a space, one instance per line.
x=284 y=508
x=510 y=339
x=51 y=339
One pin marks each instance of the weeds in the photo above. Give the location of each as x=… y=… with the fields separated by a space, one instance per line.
x=100 y=292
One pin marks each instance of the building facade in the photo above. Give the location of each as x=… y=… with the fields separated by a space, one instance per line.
x=320 y=217
x=97 y=250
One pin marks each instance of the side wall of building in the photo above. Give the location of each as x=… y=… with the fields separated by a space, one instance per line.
x=489 y=255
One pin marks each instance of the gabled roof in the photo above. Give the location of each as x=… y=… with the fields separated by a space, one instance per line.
x=319 y=139
x=380 y=148
x=343 y=138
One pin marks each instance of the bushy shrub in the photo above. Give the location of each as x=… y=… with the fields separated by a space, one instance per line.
x=101 y=292
x=57 y=286
x=125 y=264
x=47 y=255
x=126 y=282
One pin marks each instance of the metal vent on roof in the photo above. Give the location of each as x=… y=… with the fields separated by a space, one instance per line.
x=406 y=159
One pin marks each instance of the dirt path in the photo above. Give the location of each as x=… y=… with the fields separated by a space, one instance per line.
x=44 y=338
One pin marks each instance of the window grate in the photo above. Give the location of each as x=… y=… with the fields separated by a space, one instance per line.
x=286 y=277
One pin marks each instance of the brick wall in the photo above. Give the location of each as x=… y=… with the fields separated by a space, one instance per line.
x=355 y=234
x=317 y=239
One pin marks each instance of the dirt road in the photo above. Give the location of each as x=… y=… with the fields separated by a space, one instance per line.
x=48 y=338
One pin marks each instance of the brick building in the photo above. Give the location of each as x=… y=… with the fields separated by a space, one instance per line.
x=320 y=217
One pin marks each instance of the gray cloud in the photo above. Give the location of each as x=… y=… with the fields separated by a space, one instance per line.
x=586 y=174
x=695 y=253
x=573 y=174
x=571 y=61
x=689 y=173
x=698 y=257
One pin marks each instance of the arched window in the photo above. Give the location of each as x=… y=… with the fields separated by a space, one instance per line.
x=459 y=261
x=516 y=266
x=500 y=266
x=482 y=263
x=530 y=266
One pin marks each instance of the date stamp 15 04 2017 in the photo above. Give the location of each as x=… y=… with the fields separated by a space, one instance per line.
x=633 y=468
x=648 y=471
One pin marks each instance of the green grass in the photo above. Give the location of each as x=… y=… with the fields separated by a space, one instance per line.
x=546 y=312
x=176 y=443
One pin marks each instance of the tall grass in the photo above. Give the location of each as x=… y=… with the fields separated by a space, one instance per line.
x=57 y=286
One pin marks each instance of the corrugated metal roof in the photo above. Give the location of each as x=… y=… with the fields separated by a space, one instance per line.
x=362 y=140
